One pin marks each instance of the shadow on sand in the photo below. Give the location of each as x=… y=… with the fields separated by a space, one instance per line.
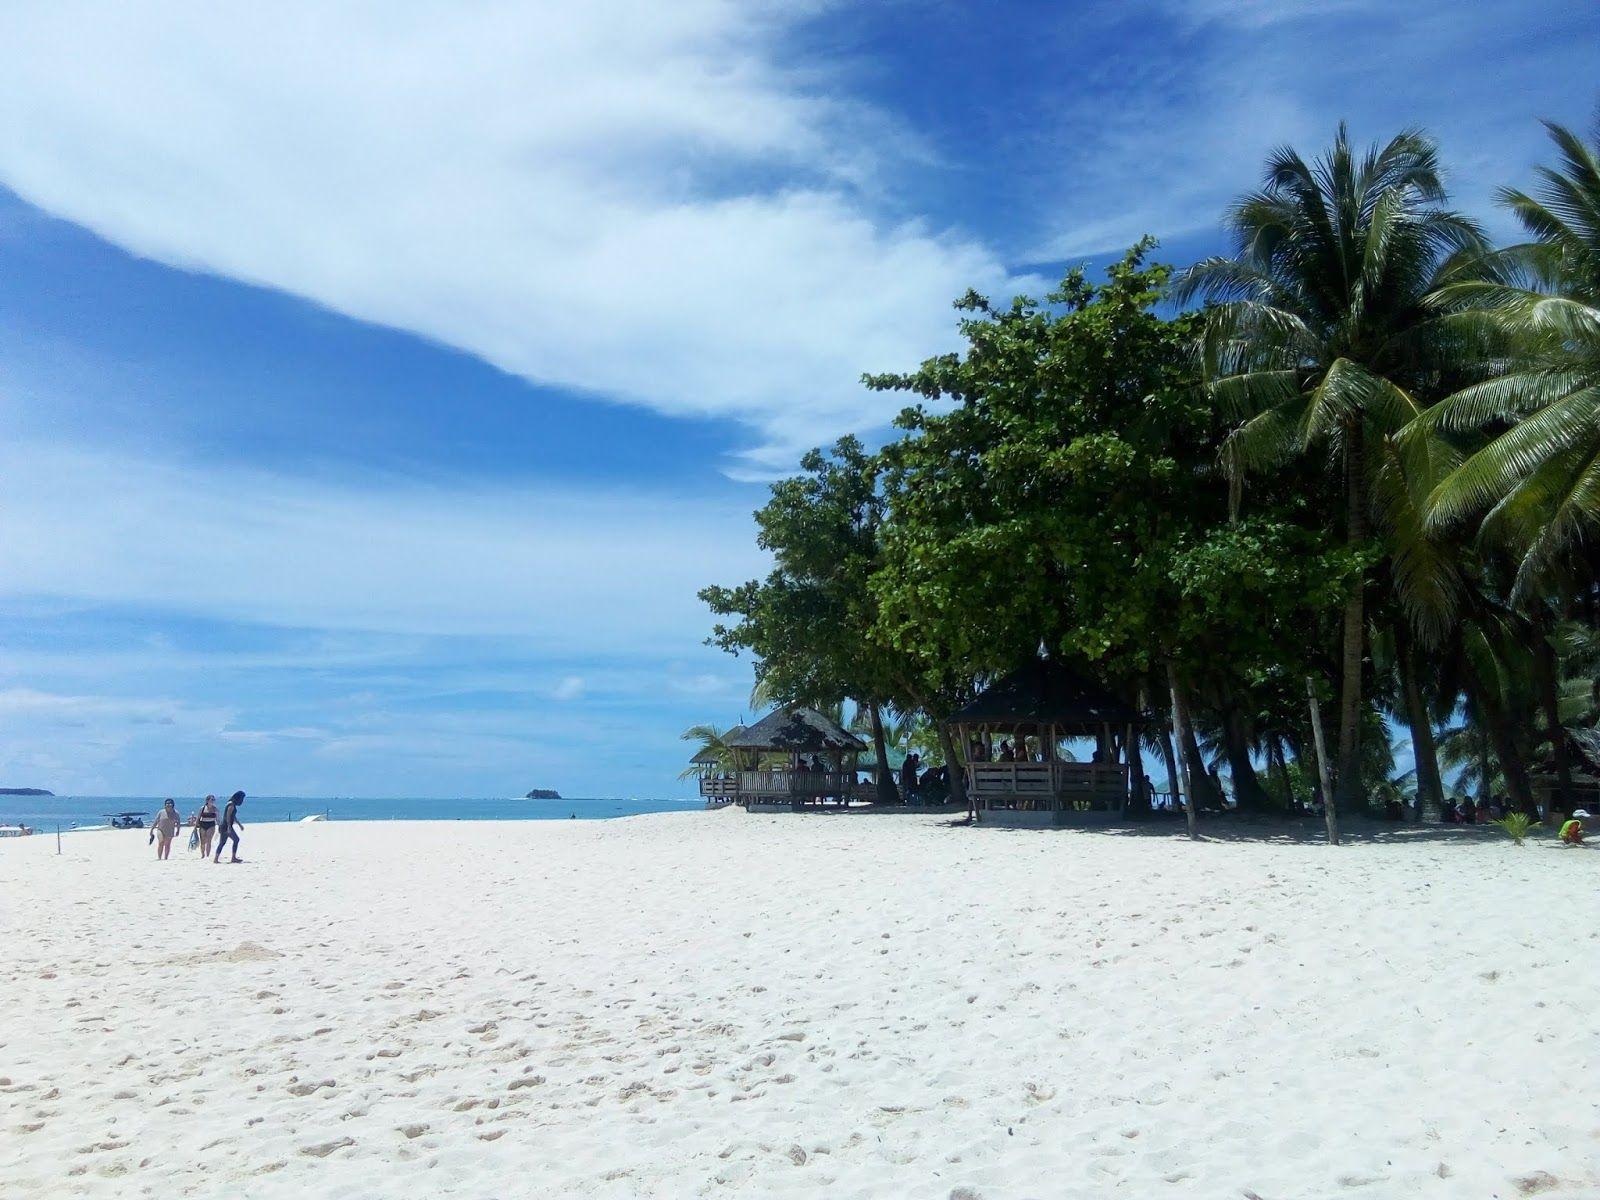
x=1229 y=827
x=1214 y=827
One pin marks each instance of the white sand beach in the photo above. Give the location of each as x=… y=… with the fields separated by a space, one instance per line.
x=720 y=1004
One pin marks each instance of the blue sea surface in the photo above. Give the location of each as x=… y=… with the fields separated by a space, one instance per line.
x=46 y=812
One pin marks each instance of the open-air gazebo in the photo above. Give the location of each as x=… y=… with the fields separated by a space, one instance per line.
x=1583 y=768
x=794 y=756
x=1047 y=704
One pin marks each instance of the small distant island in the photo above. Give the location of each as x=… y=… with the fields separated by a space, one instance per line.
x=543 y=794
x=25 y=792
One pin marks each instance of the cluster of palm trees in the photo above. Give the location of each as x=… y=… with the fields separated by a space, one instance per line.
x=1450 y=390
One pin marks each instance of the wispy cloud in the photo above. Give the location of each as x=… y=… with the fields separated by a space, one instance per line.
x=569 y=687
x=1166 y=130
x=562 y=569
x=640 y=200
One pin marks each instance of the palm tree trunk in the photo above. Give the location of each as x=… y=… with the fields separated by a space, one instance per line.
x=1180 y=722
x=1247 y=790
x=952 y=766
x=1173 y=781
x=1498 y=728
x=1138 y=795
x=1275 y=764
x=1348 y=777
x=1203 y=789
x=887 y=792
x=1330 y=802
x=1430 y=787
x=1545 y=669
x=1485 y=768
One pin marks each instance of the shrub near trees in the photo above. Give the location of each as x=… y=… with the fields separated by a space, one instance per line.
x=1368 y=464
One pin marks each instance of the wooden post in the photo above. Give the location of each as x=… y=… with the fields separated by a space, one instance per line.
x=1330 y=808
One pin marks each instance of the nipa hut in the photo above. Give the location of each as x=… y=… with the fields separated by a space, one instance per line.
x=1583 y=765
x=795 y=756
x=1034 y=711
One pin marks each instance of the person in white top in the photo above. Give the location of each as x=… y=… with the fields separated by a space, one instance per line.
x=165 y=828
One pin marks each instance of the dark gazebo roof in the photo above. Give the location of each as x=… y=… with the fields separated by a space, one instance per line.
x=1045 y=693
x=796 y=728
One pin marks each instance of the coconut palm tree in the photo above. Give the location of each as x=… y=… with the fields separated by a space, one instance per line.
x=1319 y=339
x=706 y=738
x=1538 y=481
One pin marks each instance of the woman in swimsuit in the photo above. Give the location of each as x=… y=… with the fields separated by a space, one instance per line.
x=206 y=822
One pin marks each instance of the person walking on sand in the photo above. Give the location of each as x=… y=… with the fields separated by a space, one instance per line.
x=164 y=828
x=229 y=828
x=205 y=823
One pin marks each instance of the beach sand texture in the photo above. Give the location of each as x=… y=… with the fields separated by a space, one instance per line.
x=720 y=1004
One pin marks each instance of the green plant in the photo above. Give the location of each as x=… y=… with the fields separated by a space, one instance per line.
x=1516 y=825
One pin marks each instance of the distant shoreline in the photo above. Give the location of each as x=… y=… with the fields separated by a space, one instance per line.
x=45 y=813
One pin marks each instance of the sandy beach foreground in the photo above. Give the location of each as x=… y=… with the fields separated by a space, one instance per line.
x=718 y=1004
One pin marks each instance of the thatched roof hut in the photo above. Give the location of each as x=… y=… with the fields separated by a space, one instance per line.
x=1050 y=703
x=796 y=729
x=1046 y=694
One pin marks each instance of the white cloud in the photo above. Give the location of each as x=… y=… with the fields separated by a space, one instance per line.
x=570 y=687
x=1259 y=13
x=1160 y=136
x=49 y=735
x=633 y=198
x=562 y=570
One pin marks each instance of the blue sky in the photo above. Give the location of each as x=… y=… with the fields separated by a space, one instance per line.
x=378 y=382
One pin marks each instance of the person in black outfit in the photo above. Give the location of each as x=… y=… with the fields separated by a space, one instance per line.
x=908 y=777
x=229 y=828
x=205 y=821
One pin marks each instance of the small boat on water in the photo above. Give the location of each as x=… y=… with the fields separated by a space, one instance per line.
x=15 y=830
x=125 y=820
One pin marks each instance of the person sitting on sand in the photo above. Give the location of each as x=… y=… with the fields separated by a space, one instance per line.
x=164 y=828
x=205 y=823
x=1572 y=828
x=229 y=828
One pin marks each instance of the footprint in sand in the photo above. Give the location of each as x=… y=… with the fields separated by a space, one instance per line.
x=323 y=1149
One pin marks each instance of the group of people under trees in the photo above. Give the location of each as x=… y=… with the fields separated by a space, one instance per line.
x=1486 y=811
x=922 y=787
x=207 y=823
x=1496 y=808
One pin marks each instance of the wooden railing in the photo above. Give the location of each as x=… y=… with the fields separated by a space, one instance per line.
x=796 y=783
x=1055 y=785
x=786 y=785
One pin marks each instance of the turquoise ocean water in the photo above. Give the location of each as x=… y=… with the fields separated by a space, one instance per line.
x=45 y=812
